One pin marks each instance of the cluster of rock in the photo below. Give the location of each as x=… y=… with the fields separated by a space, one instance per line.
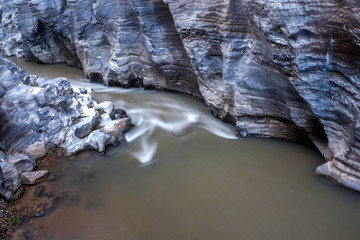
x=37 y=115
x=276 y=68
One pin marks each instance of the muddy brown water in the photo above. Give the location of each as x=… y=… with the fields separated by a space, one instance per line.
x=183 y=174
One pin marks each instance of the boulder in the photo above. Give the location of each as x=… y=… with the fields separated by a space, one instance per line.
x=30 y=178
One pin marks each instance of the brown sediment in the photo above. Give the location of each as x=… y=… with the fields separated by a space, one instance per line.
x=36 y=201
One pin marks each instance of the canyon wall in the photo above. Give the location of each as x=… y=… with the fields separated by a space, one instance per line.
x=276 y=68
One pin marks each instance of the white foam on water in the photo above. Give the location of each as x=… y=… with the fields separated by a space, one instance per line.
x=192 y=117
x=136 y=132
x=218 y=128
x=146 y=150
x=102 y=88
x=150 y=110
x=177 y=127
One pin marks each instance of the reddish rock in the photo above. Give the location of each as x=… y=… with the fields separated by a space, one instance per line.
x=30 y=178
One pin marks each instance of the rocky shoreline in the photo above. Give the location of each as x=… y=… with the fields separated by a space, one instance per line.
x=37 y=115
x=37 y=200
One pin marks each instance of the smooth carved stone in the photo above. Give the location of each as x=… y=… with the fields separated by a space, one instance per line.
x=2 y=156
x=116 y=127
x=22 y=162
x=275 y=68
x=86 y=125
x=10 y=187
x=30 y=178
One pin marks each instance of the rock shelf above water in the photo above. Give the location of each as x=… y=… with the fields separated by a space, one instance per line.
x=38 y=114
x=275 y=68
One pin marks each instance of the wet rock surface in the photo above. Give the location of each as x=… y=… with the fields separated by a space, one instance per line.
x=287 y=69
x=37 y=115
x=36 y=200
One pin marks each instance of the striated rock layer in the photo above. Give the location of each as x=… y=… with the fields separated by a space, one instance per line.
x=37 y=115
x=276 y=68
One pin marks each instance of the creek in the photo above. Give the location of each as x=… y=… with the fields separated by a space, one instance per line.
x=183 y=174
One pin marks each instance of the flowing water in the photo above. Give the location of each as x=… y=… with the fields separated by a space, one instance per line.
x=183 y=174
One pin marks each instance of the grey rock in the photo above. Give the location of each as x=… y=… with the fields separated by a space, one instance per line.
x=38 y=114
x=118 y=114
x=86 y=125
x=2 y=156
x=30 y=178
x=22 y=162
x=116 y=127
x=10 y=183
x=277 y=68
x=105 y=107
x=36 y=149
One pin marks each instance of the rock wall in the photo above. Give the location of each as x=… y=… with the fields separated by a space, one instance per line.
x=37 y=115
x=276 y=68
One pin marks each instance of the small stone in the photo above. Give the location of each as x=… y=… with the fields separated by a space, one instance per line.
x=118 y=114
x=83 y=90
x=116 y=127
x=30 y=178
x=243 y=133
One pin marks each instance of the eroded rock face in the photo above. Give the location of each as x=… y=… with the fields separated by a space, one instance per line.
x=281 y=68
x=37 y=115
x=10 y=187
